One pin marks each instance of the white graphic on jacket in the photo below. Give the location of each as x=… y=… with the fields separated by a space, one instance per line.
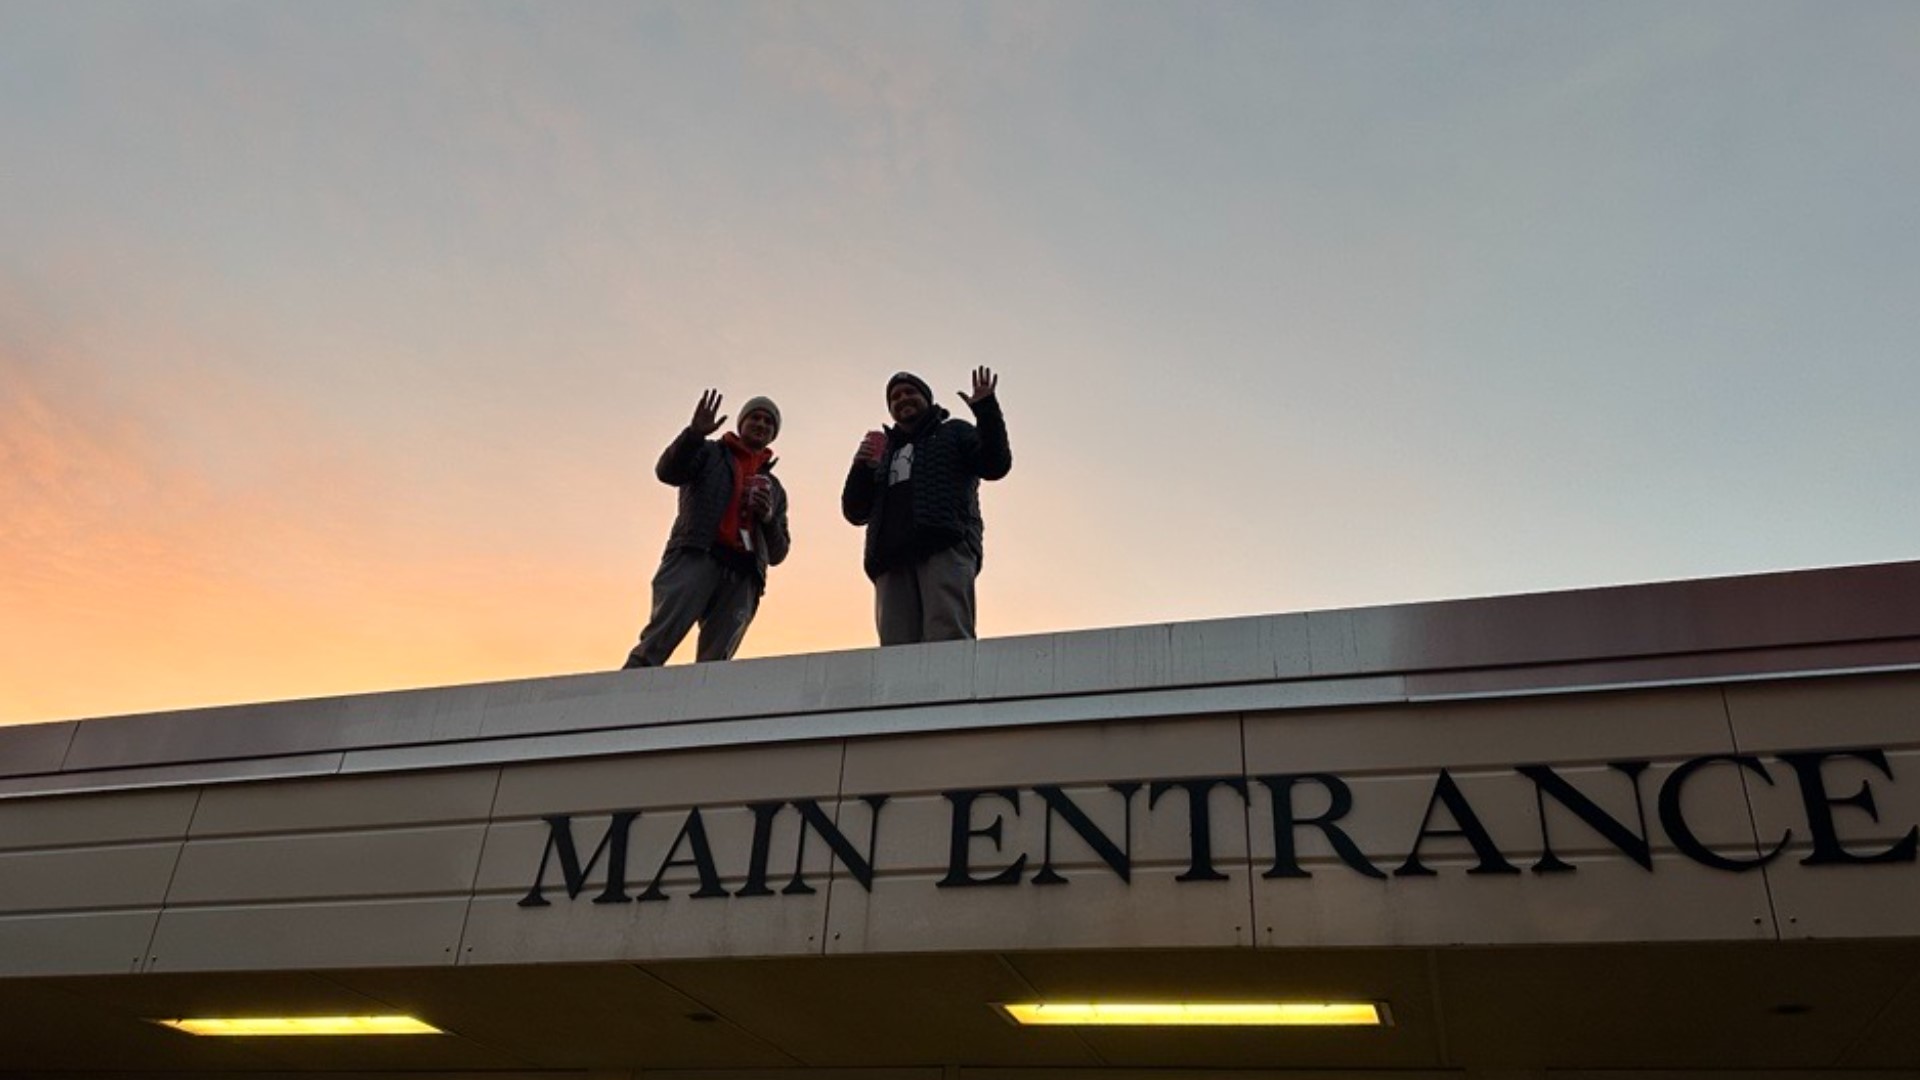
x=901 y=470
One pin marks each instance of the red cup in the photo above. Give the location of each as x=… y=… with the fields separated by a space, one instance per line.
x=874 y=446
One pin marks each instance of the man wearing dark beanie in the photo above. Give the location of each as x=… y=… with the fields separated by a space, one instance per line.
x=916 y=488
x=732 y=525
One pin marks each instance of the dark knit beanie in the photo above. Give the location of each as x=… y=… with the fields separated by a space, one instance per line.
x=909 y=377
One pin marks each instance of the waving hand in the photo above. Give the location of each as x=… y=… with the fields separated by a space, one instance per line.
x=705 y=419
x=985 y=382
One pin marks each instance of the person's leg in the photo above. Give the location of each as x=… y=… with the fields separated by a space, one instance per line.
x=681 y=588
x=946 y=595
x=730 y=609
x=896 y=605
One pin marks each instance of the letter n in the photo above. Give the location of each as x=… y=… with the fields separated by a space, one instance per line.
x=814 y=819
x=1118 y=857
x=1631 y=844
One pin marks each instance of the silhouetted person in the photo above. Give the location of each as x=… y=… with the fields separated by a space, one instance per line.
x=732 y=525
x=916 y=487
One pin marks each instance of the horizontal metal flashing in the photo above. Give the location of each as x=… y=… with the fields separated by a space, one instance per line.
x=1792 y=624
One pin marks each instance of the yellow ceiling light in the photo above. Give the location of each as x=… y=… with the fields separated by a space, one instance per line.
x=302 y=1025
x=1199 y=1013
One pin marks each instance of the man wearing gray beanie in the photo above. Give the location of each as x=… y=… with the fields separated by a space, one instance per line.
x=916 y=488
x=731 y=526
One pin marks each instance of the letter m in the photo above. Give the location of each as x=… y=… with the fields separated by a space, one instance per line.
x=560 y=839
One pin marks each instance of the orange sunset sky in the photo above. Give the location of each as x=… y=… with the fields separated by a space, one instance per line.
x=337 y=341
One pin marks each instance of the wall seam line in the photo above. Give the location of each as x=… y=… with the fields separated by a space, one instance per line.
x=833 y=876
x=145 y=960
x=479 y=858
x=1753 y=823
x=1246 y=823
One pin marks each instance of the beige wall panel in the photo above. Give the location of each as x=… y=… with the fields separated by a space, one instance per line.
x=907 y=911
x=95 y=819
x=103 y=943
x=1844 y=901
x=385 y=933
x=685 y=778
x=1549 y=729
x=416 y=798
x=388 y=862
x=577 y=929
x=1601 y=900
x=1838 y=711
x=501 y=932
x=104 y=877
x=1077 y=753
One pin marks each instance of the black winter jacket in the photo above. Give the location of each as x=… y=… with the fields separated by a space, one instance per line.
x=703 y=471
x=950 y=458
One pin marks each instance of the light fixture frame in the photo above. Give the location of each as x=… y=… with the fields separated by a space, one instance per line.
x=1382 y=1013
x=390 y=1025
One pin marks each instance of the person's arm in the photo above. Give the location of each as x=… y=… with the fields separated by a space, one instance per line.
x=680 y=460
x=988 y=455
x=681 y=457
x=863 y=480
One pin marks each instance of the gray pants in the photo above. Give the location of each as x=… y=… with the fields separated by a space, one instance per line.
x=930 y=600
x=691 y=587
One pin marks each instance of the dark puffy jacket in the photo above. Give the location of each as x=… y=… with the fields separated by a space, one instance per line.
x=703 y=471
x=950 y=458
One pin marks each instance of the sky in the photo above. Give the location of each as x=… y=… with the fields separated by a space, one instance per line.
x=337 y=341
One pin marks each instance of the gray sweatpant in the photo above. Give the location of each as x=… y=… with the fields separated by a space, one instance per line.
x=691 y=587
x=930 y=600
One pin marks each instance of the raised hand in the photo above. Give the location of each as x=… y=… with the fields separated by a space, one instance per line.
x=985 y=382
x=705 y=419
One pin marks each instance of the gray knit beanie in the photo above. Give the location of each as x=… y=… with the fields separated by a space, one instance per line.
x=765 y=403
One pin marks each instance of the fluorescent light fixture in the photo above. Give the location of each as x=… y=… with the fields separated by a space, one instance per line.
x=302 y=1025
x=1199 y=1013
